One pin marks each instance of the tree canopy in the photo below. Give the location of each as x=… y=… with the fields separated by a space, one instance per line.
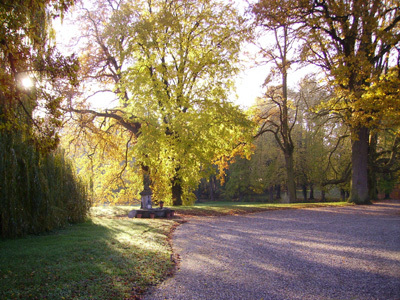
x=171 y=64
x=39 y=187
x=356 y=43
x=28 y=57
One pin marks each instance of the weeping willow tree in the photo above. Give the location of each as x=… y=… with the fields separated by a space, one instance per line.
x=38 y=188
x=39 y=192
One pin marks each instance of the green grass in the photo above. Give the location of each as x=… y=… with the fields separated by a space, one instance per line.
x=216 y=208
x=100 y=259
x=238 y=208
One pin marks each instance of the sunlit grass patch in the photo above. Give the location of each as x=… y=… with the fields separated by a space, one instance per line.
x=100 y=259
x=237 y=208
x=111 y=210
x=215 y=208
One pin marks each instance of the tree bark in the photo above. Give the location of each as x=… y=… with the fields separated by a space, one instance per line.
x=372 y=156
x=359 y=159
x=312 y=192
x=288 y=147
x=278 y=191
x=343 y=194
x=304 y=187
x=211 y=188
x=271 y=193
x=290 y=179
x=176 y=193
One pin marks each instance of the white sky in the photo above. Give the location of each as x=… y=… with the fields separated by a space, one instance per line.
x=248 y=83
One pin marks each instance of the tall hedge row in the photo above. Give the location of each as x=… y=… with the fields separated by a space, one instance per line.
x=38 y=192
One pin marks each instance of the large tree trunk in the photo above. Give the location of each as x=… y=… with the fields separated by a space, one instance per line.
x=176 y=193
x=211 y=187
x=290 y=180
x=372 y=156
x=278 y=191
x=304 y=187
x=312 y=192
x=271 y=193
x=359 y=160
x=288 y=147
x=343 y=195
x=323 y=196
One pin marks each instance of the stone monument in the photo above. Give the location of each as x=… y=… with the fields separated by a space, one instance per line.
x=146 y=193
x=146 y=199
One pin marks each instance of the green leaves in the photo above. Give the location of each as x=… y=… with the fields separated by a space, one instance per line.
x=103 y=258
x=38 y=192
x=173 y=64
x=25 y=51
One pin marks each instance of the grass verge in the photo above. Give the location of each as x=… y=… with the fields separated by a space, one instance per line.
x=217 y=208
x=232 y=208
x=104 y=258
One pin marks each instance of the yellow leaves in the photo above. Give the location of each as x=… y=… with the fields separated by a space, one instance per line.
x=381 y=100
x=244 y=150
x=177 y=66
x=378 y=106
x=375 y=105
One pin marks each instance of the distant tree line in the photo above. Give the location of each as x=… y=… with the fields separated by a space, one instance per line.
x=170 y=67
x=321 y=155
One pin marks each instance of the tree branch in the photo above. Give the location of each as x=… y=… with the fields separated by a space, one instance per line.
x=133 y=127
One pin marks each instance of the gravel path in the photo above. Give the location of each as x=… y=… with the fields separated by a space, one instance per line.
x=324 y=253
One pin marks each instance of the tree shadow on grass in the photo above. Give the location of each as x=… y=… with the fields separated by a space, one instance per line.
x=106 y=259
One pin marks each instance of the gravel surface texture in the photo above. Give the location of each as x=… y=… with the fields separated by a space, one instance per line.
x=323 y=253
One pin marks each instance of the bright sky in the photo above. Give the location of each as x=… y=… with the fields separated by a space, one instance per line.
x=248 y=83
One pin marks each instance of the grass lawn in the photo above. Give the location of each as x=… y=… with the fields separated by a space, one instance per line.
x=108 y=257
x=238 y=208
x=104 y=258
x=217 y=208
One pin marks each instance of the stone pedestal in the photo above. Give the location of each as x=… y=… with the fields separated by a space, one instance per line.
x=146 y=199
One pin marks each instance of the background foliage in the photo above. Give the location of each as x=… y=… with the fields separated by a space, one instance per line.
x=38 y=192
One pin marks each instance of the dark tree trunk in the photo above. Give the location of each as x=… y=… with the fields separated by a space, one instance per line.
x=372 y=185
x=323 y=196
x=271 y=194
x=176 y=193
x=287 y=144
x=198 y=194
x=211 y=187
x=304 y=187
x=343 y=194
x=312 y=192
x=359 y=159
x=372 y=156
x=278 y=191
x=290 y=179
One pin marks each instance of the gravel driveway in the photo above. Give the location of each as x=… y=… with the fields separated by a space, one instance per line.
x=323 y=253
